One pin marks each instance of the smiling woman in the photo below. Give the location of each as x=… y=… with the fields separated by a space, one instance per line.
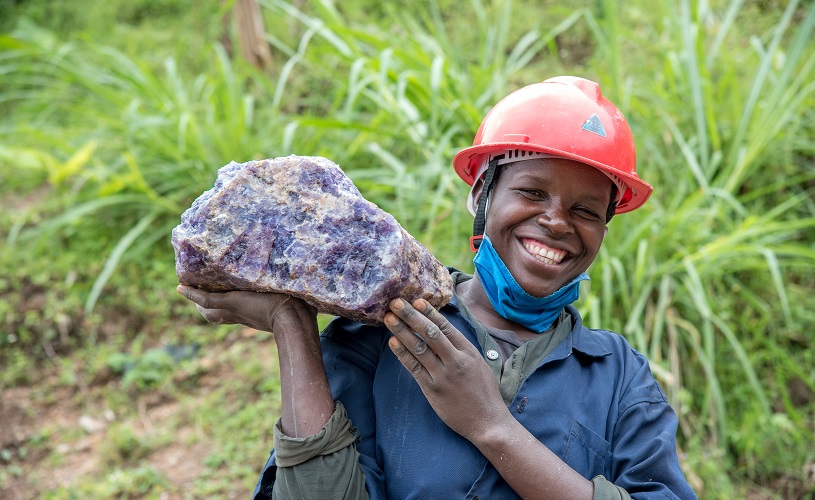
x=555 y=205
x=544 y=222
x=484 y=397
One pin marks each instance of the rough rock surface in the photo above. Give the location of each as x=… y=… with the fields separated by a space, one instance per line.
x=298 y=225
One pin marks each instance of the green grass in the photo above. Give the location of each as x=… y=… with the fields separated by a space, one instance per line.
x=712 y=279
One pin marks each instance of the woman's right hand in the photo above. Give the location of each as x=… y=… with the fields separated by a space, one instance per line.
x=253 y=309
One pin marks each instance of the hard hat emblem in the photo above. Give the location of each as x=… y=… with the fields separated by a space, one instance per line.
x=594 y=125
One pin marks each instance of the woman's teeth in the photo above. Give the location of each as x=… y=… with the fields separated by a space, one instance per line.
x=545 y=255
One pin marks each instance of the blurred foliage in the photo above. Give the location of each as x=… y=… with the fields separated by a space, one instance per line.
x=119 y=115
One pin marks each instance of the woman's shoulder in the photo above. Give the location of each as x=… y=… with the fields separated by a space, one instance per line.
x=603 y=339
x=629 y=366
x=613 y=341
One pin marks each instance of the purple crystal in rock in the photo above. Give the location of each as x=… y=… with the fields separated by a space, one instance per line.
x=298 y=225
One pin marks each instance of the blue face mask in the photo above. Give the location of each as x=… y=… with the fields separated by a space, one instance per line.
x=511 y=301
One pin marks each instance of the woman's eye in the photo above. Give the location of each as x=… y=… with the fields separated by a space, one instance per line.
x=587 y=213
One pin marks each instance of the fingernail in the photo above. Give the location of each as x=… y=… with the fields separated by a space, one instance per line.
x=398 y=304
x=391 y=320
x=394 y=344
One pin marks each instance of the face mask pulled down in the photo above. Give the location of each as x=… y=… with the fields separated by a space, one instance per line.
x=511 y=301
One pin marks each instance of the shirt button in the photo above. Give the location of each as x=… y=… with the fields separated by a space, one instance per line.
x=492 y=354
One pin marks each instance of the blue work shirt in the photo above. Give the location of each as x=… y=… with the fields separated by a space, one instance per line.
x=592 y=401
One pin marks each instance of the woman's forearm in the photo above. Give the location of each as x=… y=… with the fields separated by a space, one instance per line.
x=530 y=468
x=305 y=394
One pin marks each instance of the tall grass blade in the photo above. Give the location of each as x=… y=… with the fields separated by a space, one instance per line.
x=115 y=257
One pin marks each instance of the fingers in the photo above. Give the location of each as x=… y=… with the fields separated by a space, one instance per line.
x=442 y=337
x=258 y=310
x=408 y=342
x=408 y=360
x=207 y=300
x=423 y=337
x=216 y=316
x=405 y=334
x=416 y=321
x=207 y=304
x=448 y=330
x=217 y=308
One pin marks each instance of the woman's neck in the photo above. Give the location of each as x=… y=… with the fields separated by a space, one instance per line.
x=473 y=294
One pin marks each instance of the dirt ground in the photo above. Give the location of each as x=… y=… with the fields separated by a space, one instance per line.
x=54 y=434
x=24 y=415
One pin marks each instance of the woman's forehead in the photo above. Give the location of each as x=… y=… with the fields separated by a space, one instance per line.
x=548 y=169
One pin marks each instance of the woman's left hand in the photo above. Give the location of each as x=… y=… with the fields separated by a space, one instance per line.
x=453 y=376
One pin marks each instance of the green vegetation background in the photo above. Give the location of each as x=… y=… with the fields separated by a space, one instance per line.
x=117 y=114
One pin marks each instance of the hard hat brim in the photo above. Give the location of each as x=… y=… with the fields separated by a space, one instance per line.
x=465 y=164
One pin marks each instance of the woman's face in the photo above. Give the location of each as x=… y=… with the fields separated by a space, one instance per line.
x=546 y=220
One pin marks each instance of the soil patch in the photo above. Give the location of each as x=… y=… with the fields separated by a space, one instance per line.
x=53 y=435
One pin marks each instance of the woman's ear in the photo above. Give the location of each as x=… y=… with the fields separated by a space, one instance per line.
x=478 y=186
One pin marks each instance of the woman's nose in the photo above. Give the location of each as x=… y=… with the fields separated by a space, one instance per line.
x=555 y=219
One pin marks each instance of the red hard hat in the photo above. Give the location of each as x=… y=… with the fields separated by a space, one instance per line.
x=565 y=117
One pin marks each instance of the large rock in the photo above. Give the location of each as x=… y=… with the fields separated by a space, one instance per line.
x=298 y=225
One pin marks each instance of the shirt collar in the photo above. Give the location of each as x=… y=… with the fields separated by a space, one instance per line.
x=456 y=279
x=580 y=339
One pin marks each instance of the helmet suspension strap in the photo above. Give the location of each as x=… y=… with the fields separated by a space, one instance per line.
x=480 y=222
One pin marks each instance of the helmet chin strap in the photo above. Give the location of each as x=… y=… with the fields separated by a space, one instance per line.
x=480 y=221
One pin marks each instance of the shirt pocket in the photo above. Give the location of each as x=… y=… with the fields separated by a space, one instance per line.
x=587 y=452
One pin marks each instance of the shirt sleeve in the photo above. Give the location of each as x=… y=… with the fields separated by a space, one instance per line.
x=325 y=465
x=644 y=441
x=606 y=490
x=351 y=353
